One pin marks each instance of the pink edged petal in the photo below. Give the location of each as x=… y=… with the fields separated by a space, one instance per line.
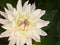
x=5 y=34
x=36 y=39
x=33 y=7
x=3 y=21
x=3 y=14
x=41 y=23
x=38 y=13
x=42 y=12
x=36 y=36
x=41 y=32
x=12 y=42
x=9 y=7
x=19 y=6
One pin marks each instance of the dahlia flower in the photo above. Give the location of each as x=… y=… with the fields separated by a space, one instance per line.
x=23 y=23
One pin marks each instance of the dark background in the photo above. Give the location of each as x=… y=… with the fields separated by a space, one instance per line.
x=52 y=8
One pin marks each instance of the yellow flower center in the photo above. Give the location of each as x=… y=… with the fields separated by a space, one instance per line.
x=26 y=22
x=22 y=25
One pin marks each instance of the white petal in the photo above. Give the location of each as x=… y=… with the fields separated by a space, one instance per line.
x=28 y=9
x=12 y=42
x=41 y=32
x=38 y=13
x=12 y=35
x=42 y=12
x=7 y=26
x=15 y=13
x=35 y=36
x=10 y=18
x=29 y=41
x=41 y=23
x=5 y=34
x=33 y=7
x=19 y=42
x=10 y=15
x=23 y=39
x=3 y=14
x=10 y=7
x=4 y=21
x=8 y=12
x=19 y=6
x=25 y=5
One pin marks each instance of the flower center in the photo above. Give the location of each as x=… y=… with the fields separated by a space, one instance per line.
x=26 y=22
x=23 y=24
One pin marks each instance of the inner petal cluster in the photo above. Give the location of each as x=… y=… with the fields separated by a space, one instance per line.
x=23 y=24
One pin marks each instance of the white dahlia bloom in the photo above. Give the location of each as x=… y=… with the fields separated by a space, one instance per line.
x=23 y=24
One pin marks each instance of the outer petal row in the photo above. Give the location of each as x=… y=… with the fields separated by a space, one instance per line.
x=35 y=36
x=19 y=6
x=3 y=14
x=33 y=7
x=4 y=21
x=41 y=32
x=5 y=34
x=41 y=24
x=9 y=15
x=38 y=13
x=10 y=7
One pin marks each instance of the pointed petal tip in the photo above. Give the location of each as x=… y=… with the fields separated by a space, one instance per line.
x=19 y=5
x=33 y=7
x=42 y=12
x=44 y=34
x=38 y=40
x=33 y=3
x=3 y=14
x=9 y=6
x=47 y=23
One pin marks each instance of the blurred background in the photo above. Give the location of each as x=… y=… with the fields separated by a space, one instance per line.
x=52 y=8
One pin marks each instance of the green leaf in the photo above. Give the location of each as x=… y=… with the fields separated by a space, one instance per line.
x=58 y=42
x=50 y=14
